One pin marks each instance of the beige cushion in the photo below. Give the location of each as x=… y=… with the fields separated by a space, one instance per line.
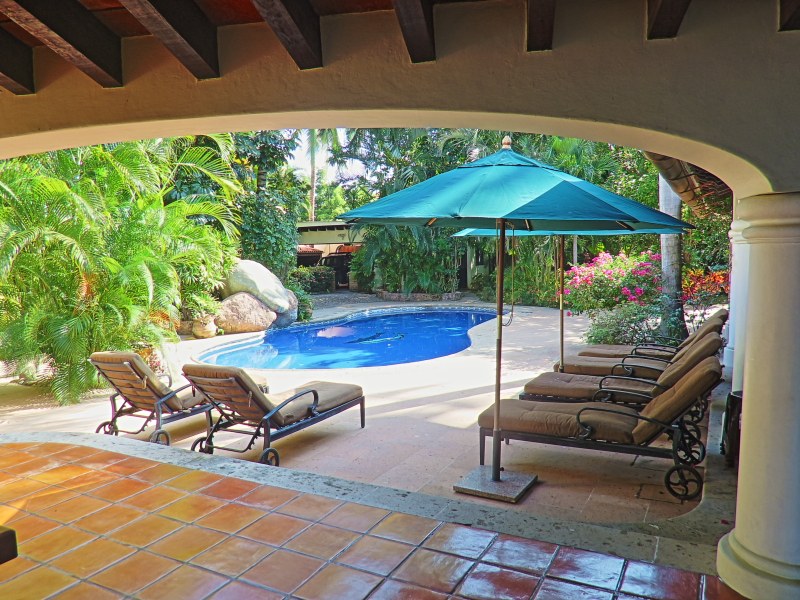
x=671 y=404
x=584 y=387
x=721 y=313
x=595 y=365
x=564 y=385
x=331 y=395
x=708 y=327
x=707 y=346
x=619 y=351
x=142 y=388
x=560 y=419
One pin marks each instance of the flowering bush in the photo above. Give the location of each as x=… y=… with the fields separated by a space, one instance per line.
x=701 y=291
x=699 y=285
x=609 y=280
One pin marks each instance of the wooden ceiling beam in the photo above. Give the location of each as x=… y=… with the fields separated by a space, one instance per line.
x=541 y=18
x=183 y=29
x=16 y=65
x=790 y=15
x=664 y=18
x=297 y=26
x=72 y=32
x=416 y=23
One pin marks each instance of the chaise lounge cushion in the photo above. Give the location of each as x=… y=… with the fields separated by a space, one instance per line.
x=142 y=387
x=583 y=387
x=331 y=395
x=671 y=404
x=559 y=419
x=253 y=403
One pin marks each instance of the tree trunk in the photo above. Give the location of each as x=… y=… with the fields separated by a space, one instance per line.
x=312 y=158
x=672 y=319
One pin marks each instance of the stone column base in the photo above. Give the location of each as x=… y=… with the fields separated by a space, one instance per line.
x=755 y=576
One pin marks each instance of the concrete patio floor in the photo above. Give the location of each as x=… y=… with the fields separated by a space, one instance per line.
x=421 y=438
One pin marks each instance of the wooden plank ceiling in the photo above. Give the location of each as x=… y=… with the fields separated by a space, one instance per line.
x=88 y=33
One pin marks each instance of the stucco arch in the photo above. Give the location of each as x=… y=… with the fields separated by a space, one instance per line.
x=721 y=95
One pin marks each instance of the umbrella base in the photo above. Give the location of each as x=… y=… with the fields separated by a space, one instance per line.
x=511 y=487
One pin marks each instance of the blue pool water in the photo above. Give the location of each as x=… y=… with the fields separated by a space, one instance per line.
x=367 y=339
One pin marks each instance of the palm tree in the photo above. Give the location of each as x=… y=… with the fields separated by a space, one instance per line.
x=317 y=140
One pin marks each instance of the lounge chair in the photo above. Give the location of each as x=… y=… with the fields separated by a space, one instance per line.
x=140 y=393
x=570 y=387
x=633 y=365
x=245 y=408
x=665 y=349
x=615 y=428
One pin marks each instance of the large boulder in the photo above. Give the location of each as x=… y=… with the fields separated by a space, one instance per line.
x=204 y=327
x=254 y=278
x=243 y=313
x=290 y=315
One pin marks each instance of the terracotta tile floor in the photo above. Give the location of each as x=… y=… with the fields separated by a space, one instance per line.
x=200 y=535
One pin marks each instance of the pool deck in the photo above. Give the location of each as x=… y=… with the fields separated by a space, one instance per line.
x=421 y=438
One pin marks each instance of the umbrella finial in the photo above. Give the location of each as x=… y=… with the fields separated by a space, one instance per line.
x=507 y=142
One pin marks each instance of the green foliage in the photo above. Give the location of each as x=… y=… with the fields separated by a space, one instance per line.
x=331 y=201
x=532 y=279
x=627 y=323
x=305 y=305
x=318 y=279
x=362 y=269
x=92 y=256
x=707 y=246
x=409 y=259
x=273 y=199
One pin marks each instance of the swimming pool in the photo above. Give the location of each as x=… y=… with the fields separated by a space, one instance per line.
x=365 y=339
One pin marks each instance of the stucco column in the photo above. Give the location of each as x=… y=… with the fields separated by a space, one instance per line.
x=740 y=269
x=760 y=558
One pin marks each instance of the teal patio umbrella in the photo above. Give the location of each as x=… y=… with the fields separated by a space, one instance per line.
x=507 y=190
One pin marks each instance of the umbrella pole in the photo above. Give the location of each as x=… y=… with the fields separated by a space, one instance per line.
x=561 y=300
x=496 y=441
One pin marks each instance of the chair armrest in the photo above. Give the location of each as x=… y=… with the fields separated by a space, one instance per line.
x=586 y=430
x=642 y=349
x=655 y=358
x=626 y=370
x=669 y=340
x=162 y=401
x=312 y=407
x=607 y=395
x=638 y=379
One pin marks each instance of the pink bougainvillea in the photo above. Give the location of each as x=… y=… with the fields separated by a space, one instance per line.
x=609 y=280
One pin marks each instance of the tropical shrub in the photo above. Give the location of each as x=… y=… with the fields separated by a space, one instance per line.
x=92 y=253
x=610 y=280
x=703 y=288
x=305 y=305
x=409 y=259
x=317 y=279
x=627 y=323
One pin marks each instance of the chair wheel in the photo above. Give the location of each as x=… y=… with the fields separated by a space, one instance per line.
x=684 y=482
x=160 y=436
x=200 y=445
x=108 y=428
x=270 y=457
